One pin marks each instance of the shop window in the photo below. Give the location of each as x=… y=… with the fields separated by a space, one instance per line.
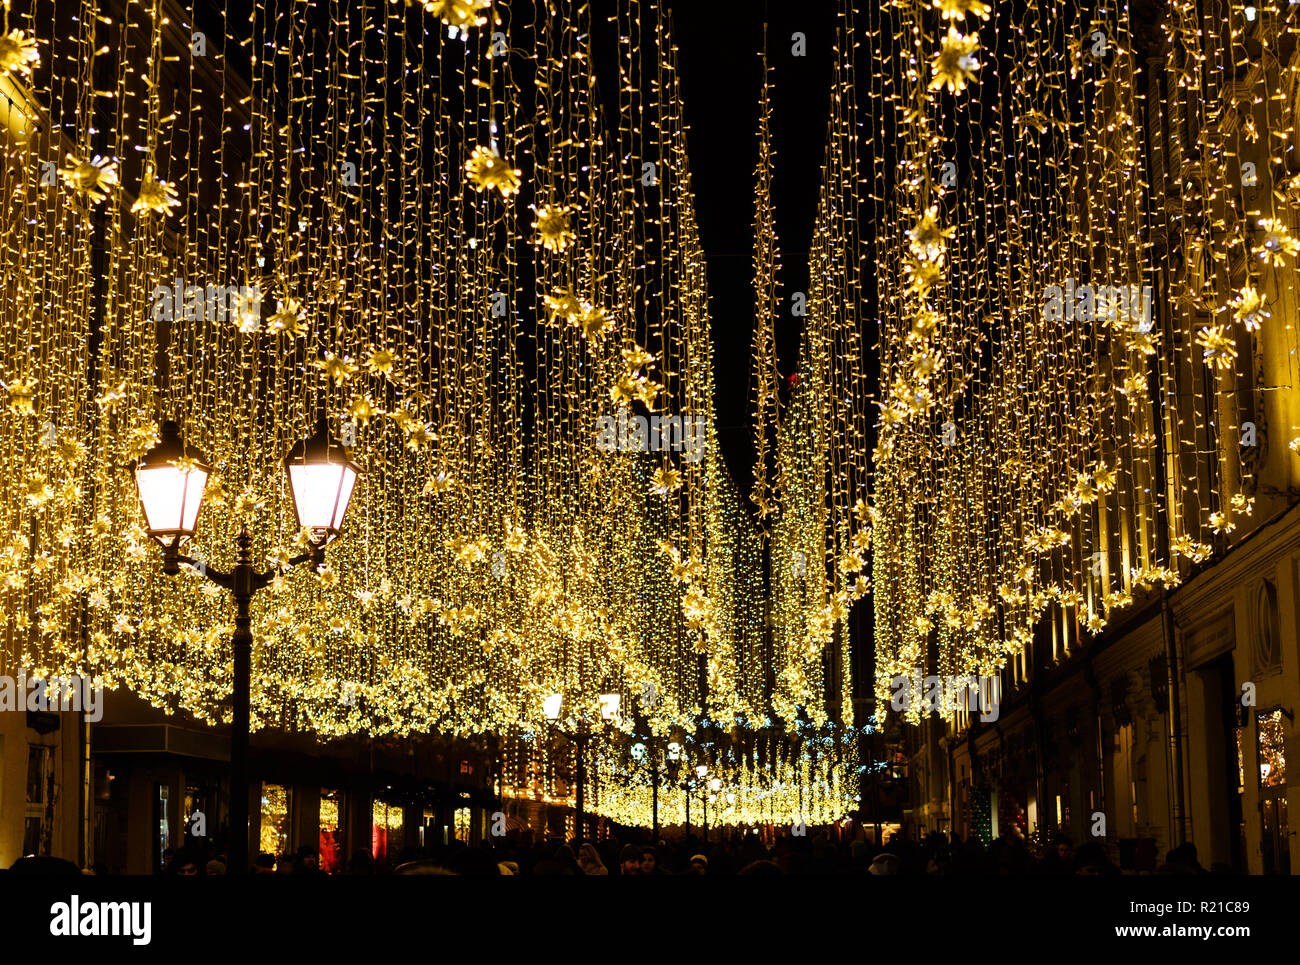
x=196 y=812
x=273 y=837
x=426 y=827
x=1275 y=844
x=331 y=833
x=386 y=831
x=1272 y=754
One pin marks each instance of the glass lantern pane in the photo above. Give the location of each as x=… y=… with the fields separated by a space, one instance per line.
x=162 y=494
x=344 y=496
x=315 y=493
x=197 y=482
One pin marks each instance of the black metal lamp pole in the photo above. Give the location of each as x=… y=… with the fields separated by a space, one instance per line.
x=170 y=479
x=654 y=796
x=580 y=740
x=704 y=803
x=242 y=581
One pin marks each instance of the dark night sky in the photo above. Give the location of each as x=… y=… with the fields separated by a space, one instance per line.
x=721 y=75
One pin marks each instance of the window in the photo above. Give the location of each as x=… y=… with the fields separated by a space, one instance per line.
x=387 y=830
x=1125 y=775
x=162 y=824
x=37 y=764
x=1241 y=764
x=426 y=827
x=1268 y=637
x=331 y=837
x=1272 y=754
x=196 y=813
x=38 y=815
x=274 y=822
x=1275 y=844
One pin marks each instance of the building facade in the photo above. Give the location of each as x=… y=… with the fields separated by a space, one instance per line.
x=1176 y=722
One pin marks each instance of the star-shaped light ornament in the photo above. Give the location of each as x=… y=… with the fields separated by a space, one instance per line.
x=592 y=322
x=635 y=388
x=665 y=481
x=927 y=239
x=635 y=357
x=487 y=171
x=440 y=482
x=95 y=178
x=419 y=435
x=339 y=368
x=361 y=410
x=955 y=64
x=18 y=54
x=1218 y=348
x=516 y=536
x=22 y=393
x=1276 y=244
x=290 y=318
x=563 y=305
x=461 y=14
x=244 y=308
x=247 y=503
x=685 y=571
x=1222 y=523
x=554 y=227
x=155 y=196
x=958 y=9
x=381 y=362
x=1248 y=308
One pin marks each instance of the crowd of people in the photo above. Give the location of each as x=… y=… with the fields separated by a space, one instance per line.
x=636 y=855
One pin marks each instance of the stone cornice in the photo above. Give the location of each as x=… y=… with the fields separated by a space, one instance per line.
x=1205 y=592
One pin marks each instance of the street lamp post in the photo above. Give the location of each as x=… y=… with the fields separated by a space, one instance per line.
x=551 y=706
x=170 y=480
x=581 y=739
x=704 y=806
x=654 y=798
x=710 y=795
x=648 y=752
x=701 y=778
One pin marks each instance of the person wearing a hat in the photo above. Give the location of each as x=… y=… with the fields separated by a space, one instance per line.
x=629 y=860
x=699 y=865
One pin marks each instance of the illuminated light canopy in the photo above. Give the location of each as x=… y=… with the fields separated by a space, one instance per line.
x=479 y=542
x=170 y=479
x=321 y=479
x=1004 y=450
